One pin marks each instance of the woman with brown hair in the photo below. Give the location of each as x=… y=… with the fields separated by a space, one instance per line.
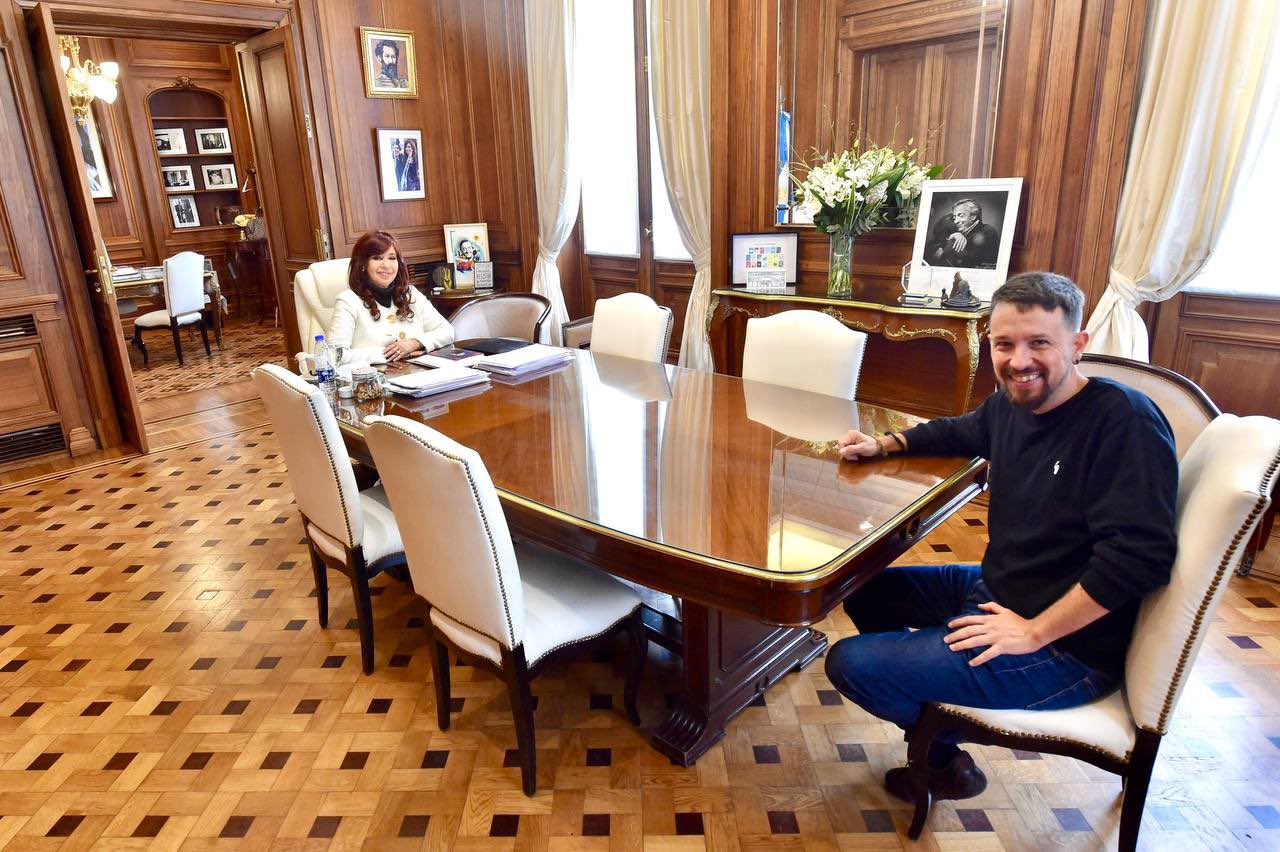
x=382 y=310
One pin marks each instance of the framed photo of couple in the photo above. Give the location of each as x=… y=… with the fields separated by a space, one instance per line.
x=400 y=164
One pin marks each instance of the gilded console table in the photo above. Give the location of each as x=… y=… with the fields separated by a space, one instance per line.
x=962 y=331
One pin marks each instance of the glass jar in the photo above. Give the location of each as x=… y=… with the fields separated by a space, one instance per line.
x=368 y=385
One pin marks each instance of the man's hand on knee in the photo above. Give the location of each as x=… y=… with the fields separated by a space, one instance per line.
x=1001 y=632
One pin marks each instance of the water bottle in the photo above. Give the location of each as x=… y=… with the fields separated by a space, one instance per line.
x=324 y=366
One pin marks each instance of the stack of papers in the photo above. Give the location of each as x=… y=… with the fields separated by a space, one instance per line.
x=438 y=380
x=125 y=273
x=153 y=272
x=526 y=359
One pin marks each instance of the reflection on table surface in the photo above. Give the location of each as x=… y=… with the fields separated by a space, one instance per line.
x=738 y=475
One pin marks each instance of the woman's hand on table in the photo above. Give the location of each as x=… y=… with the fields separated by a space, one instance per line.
x=398 y=350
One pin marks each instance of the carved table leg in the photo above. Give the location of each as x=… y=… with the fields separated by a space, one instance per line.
x=728 y=662
x=967 y=352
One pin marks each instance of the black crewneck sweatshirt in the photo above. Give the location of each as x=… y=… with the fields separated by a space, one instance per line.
x=1084 y=493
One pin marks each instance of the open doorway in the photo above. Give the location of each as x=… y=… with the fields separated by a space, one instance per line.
x=180 y=166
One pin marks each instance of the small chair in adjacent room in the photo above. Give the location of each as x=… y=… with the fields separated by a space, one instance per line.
x=1226 y=478
x=349 y=530
x=517 y=316
x=631 y=325
x=783 y=350
x=508 y=607
x=315 y=291
x=183 y=304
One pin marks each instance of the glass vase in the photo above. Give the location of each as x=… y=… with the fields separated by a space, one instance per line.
x=840 y=269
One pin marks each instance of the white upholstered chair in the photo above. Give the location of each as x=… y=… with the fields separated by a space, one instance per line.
x=183 y=302
x=631 y=325
x=520 y=316
x=806 y=350
x=315 y=290
x=349 y=530
x=1225 y=480
x=509 y=608
x=1187 y=408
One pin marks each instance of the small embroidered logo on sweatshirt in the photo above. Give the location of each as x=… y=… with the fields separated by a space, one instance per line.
x=1056 y=465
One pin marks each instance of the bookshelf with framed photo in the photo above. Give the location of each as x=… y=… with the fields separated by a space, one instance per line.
x=195 y=156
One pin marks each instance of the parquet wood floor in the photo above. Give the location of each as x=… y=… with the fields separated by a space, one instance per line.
x=245 y=345
x=164 y=684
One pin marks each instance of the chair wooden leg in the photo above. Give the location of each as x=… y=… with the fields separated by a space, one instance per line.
x=929 y=726
x=319 y=572
x=639 y=653
x=204 y=335
x=142 y=347
x=177 y=341
x=364 y=612
x=517 y=676
x=440 y=674
x=1141 y=764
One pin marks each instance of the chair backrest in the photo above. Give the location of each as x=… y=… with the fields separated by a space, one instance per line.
x=184 y=283
x=806 y=350
x=1224 y=482
x=455 y=534
x=315 y=290
x=319 y=467
x=631 y=325
x=517 y=315
x=1187 y=408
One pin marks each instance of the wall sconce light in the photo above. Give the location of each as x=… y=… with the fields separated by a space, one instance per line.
x=86 y=80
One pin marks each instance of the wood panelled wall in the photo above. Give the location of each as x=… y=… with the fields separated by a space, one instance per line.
x=473 y=111
x=136 y=223
x=47 y=352
x=1067 y=88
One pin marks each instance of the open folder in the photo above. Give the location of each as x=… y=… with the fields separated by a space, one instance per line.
x=435 y=380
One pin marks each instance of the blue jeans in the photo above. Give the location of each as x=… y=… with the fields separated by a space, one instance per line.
x=891 y=671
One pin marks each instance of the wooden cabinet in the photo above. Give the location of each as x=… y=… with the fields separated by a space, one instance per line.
x=201 y=181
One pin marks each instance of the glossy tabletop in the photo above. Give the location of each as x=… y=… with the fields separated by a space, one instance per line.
x=703 y=472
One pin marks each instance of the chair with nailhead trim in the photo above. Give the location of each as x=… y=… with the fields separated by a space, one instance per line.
x=1225 y=482
x=508 y=607
x=350 y=530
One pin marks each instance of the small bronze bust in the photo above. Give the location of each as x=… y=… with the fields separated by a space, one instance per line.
x=961 y=296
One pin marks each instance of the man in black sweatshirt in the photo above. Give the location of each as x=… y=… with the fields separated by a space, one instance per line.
x=1084 y=481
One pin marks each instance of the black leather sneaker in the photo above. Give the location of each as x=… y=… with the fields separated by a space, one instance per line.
x=960 y=779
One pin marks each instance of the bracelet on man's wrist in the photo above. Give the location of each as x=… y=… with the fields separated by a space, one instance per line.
x=897 y=439
x=884 y=450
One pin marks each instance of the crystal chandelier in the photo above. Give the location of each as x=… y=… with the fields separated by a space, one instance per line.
x=86 y=80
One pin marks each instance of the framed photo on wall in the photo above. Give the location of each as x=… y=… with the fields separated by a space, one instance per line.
x=182 y=209
x=95 y=165
x=213 y=140
x=220 y=176
x=390 y=68
x=177 y=178
x=464 y=247
x=400 y=164
x=964 y=227
x=170 y=141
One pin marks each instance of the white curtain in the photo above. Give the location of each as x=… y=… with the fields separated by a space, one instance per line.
x=1198 y=120
x=549 y=49
x=680 y=69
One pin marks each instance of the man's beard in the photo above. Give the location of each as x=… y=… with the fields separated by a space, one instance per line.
x=1031 y=403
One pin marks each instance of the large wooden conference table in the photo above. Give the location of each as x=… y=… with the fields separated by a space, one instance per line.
x=728 y=495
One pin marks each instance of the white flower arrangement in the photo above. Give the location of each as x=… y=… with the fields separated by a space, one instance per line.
x=847 y=193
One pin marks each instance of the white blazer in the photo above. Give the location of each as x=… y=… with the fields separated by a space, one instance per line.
x=354 y=327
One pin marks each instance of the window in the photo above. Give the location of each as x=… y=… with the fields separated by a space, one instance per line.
x=613 y=184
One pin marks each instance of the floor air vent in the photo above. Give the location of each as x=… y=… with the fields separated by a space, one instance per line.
x=23 y=325
x=31 y=442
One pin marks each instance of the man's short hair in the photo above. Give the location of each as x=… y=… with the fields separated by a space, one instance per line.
x=395 y=48
x=977 y=208
x=1047 y=290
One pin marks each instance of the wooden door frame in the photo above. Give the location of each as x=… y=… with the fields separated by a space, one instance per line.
x=204 y=21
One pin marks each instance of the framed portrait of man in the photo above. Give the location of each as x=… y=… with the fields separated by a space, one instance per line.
x=182 y=209
x=400 y=164
x=213 y=140
x=177 y=178
x=390 y=68
x=95 y=164
x=965 y=227
x=220 y=176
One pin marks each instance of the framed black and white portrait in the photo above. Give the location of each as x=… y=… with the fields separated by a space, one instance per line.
x=400 y=164
x=389 y=65
x=213 y=140
x=177 y=178
x=220 y=176
x=170 y=141
x=182 y=209
x=966 y=227
x=95 y=164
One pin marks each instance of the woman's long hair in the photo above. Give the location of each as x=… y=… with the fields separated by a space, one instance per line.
x=379 y=242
